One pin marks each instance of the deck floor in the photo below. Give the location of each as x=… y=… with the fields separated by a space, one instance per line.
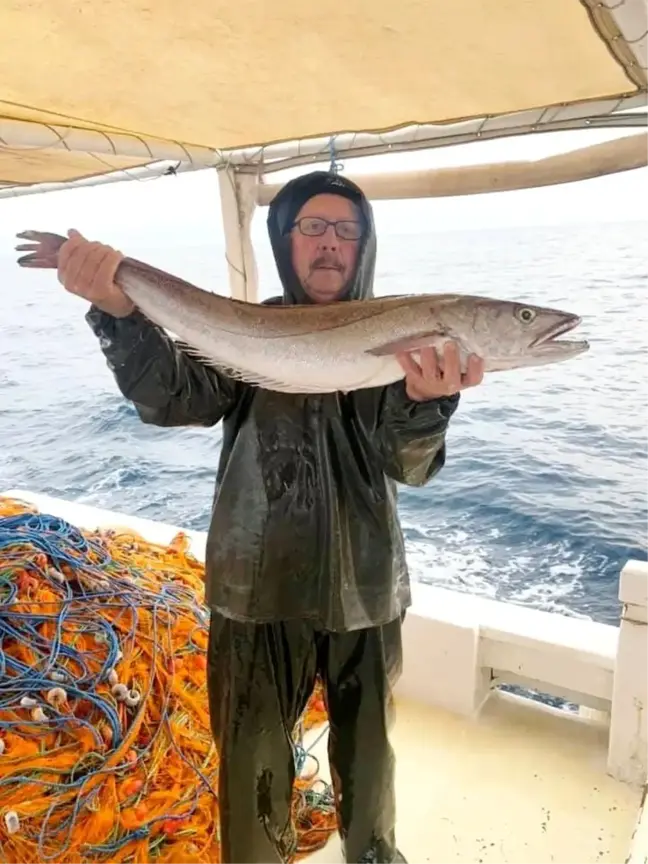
x=520 y=785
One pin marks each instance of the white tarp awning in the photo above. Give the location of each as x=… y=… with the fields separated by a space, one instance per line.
x=87 y=89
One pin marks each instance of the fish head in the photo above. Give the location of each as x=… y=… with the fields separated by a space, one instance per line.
x=510 y=335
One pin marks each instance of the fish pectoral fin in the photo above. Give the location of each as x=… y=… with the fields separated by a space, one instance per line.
x=409 y=343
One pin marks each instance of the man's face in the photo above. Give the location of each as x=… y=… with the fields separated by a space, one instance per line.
x=324 y=256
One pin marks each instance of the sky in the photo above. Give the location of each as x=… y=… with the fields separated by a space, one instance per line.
x=186 y=208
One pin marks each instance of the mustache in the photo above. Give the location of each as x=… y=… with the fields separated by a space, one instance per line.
x=329 y=262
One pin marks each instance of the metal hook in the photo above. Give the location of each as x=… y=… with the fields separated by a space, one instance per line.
x=334 y=167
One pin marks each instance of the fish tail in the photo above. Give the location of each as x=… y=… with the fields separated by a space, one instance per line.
x=43 y=249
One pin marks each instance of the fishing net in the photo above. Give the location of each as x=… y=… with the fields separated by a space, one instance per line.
x=105 y=745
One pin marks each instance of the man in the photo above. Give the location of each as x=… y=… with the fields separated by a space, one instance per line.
x=305 y=563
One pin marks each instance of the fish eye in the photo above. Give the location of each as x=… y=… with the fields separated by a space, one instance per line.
x=526 y=315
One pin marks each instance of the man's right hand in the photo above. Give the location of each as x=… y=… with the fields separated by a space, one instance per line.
x=88 y=270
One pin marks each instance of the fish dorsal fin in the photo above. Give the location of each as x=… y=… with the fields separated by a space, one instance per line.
x=244 y=375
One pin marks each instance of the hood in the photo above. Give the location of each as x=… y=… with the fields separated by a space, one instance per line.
x=282 y=213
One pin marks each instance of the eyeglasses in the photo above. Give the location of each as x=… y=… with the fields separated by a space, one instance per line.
x=314 y=226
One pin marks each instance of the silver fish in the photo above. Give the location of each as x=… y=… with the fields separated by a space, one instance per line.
x=334 y=347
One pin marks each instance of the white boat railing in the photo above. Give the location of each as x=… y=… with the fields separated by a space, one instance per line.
x=459 y=647
x=481 y=643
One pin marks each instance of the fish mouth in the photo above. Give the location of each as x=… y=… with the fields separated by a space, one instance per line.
x=549 y=339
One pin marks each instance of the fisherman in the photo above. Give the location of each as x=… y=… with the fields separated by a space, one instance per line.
x=306 y=574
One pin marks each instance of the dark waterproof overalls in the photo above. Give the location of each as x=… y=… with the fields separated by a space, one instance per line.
x=305 y=566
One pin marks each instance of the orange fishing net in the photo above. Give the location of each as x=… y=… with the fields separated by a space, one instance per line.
x=105 y=745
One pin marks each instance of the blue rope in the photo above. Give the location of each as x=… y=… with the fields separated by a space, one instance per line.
x=62 y=664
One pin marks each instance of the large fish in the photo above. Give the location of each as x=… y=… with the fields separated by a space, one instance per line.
x=333 y=347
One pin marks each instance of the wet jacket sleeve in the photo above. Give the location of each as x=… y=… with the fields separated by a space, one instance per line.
x=411 y=435
x=167 y=387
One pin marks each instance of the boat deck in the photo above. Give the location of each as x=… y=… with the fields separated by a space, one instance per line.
x=523 y=783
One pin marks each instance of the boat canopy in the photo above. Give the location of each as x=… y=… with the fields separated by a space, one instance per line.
x=96 y=92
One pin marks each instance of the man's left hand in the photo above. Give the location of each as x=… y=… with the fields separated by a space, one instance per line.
x=428 y=381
